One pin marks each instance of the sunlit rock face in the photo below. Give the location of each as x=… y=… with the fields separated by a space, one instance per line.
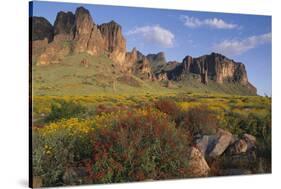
x=214 y=66
x=115 y=43
x=87 y=36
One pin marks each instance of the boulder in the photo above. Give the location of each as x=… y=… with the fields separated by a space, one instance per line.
x=206 y=143
x=238 y=147
x=198 y=166
x=224 y=139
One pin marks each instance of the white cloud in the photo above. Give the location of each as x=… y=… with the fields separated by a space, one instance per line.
x=155 y=34
x=236 y=47
x=216 y=23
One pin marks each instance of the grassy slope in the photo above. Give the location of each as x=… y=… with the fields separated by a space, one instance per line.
x=101 y=77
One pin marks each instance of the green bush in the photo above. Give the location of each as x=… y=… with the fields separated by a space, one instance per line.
x=61 y=109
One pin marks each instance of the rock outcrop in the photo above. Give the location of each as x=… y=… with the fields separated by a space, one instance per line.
x=142 y=67
x=61 y=44
x=214 y=66
x=226 y=154
x=54 y=53
x=214 y=145
x=38 y=47
x=41 y=29
x=158 y=66
x=64 y=23
x=130 y=59
x=87 y=37
x=78 y=33
x=157 y=61
x=115 y=43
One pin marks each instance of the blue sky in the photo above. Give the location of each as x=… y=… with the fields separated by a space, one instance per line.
x=244 y=38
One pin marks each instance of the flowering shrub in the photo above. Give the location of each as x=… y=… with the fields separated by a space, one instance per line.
x=199 y=120
x=167 y=106
x=137 y=145
x=58 y=145
x=122 y=138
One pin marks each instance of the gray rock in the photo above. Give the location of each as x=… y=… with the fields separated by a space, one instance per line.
x=224 y=139
x=206 y=143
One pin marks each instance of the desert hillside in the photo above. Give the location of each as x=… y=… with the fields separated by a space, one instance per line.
x=77 y=56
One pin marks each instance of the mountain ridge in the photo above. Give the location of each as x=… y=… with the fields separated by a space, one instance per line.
x=78 y=33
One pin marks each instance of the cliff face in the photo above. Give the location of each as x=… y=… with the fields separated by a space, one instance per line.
x=218 y=68
x=78 y=33
x=87 y=37
x=64 y=23
x=157 y=61
x=115 y=43
x=41 y=29
x=214 y=66
x=139 y=64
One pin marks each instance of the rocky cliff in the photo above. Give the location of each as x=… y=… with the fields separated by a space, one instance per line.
x=64 y=23
x=78 y=33
x=41 y=29
x=87 y=37
x=215 y=67
x=115 y=43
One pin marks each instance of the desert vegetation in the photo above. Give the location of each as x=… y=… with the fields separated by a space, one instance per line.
x=102 y=113
x=123 y=138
